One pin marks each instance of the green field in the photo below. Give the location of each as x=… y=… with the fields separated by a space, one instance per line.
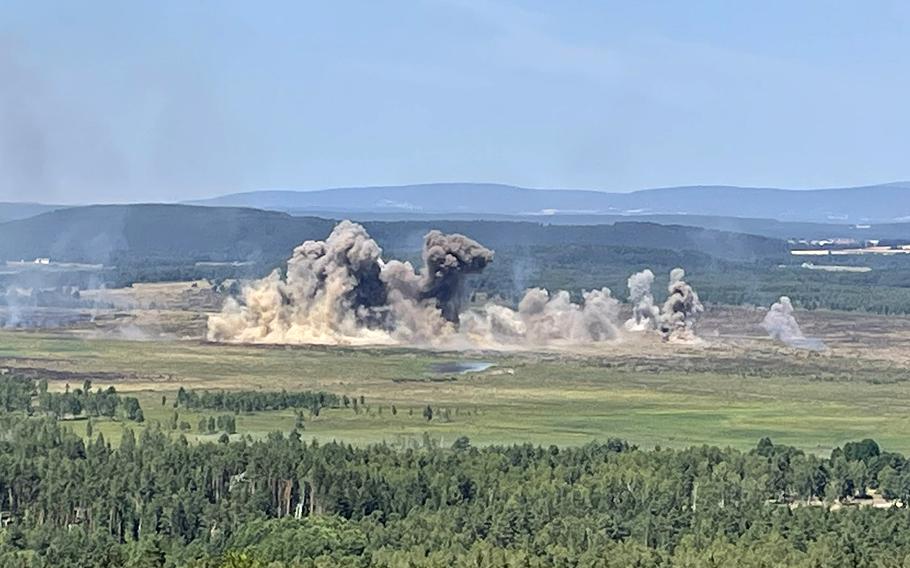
x=524 y=397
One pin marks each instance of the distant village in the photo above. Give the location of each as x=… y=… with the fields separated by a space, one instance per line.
x=843 y=247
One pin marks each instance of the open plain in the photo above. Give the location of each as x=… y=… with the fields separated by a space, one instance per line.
x=732 y=387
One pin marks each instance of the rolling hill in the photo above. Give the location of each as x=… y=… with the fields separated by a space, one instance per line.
x=117 y=234
x=151 y=243
x=153 y=232
x=762 y=227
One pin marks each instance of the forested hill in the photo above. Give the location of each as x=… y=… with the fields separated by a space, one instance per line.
x=753 y=226
x=112 y=234
x=149 y=233
x=719 y=244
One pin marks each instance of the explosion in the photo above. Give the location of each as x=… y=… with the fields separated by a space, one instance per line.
x=782 y=326
x=644 y=313
x=544 y=318
x=341 y=291
x=680 y=310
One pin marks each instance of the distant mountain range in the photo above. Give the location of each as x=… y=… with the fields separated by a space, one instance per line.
x=853 y=205
x=269 y=223
x=13 y=211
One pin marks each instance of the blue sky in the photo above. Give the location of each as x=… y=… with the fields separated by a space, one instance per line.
x=132 y=101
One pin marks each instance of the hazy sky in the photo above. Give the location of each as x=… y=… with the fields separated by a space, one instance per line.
x=127 y=101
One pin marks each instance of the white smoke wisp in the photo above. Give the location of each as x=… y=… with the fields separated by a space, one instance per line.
x=644 y=312
x=782 y=326
x=680 y=311
x=341 y=291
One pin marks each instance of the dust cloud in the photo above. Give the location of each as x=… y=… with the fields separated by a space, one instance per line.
x=341 y=291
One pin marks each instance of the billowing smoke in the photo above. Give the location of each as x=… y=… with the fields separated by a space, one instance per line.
x=544 y=318
x=447 y=260
x=781 y=325
x=680 y=310
x=341 y=291
x=644 y=312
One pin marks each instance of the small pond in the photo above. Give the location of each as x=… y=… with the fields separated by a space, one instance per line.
x=459 y=367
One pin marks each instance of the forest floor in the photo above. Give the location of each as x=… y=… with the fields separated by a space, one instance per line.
x=731 y=389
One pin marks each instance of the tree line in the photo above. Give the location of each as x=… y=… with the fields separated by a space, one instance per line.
x=23 y=393
x=157 y=500
x=255 y=401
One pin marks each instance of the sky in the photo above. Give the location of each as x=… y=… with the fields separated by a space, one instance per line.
x=171 y=100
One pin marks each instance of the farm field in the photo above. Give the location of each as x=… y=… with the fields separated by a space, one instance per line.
x=722 y=393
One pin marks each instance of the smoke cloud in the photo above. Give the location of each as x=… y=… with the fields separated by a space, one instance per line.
x=782 y=326
x=644 y=312
x=681 y=309
x=341 y=291
x=447 y=260
x=545 y=318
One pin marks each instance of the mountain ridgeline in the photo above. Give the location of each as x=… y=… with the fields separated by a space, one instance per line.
x=869 y=204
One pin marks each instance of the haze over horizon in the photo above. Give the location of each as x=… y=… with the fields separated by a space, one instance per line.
x=107 y=102
x=217 y=198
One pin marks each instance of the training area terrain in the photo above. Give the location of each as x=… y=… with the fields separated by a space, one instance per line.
x=730 y=389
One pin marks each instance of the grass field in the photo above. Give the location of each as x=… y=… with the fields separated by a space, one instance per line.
x=566 y=399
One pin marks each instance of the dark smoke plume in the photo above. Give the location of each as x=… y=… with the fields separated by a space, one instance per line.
x=447 y=260
x=680 y=310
